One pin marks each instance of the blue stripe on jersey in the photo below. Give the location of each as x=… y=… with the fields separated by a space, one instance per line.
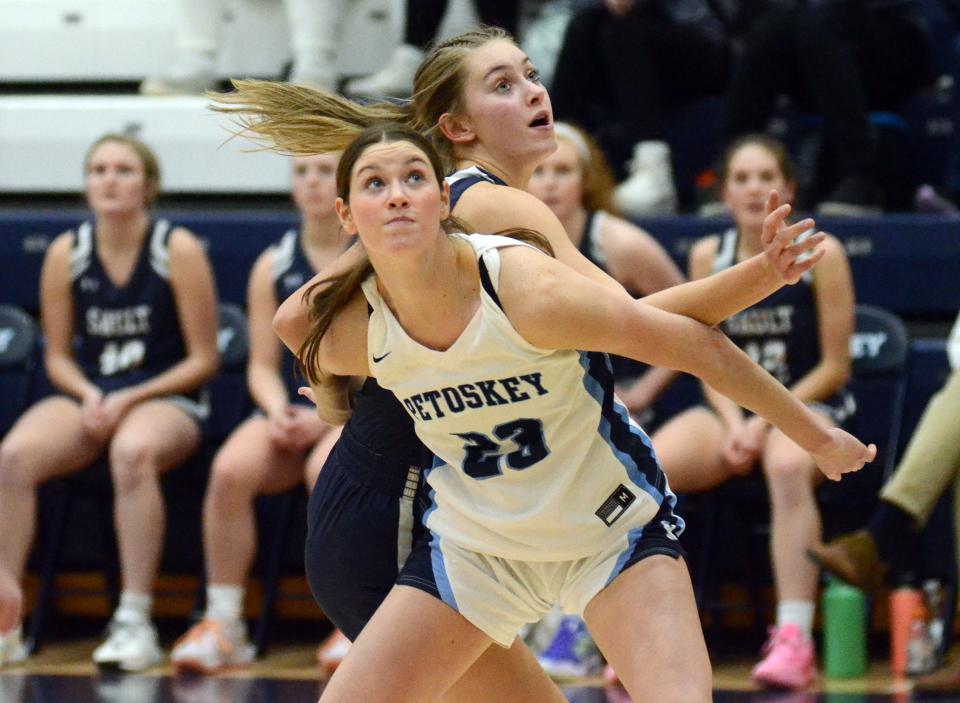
x=629 y=444
x=633 y=536
x=440 y=577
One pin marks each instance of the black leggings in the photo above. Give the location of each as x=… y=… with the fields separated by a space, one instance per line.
x=834 y=60
x=424 y=18
x=633 y=67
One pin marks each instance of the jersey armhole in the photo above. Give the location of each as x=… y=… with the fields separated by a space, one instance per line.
x=487 y=283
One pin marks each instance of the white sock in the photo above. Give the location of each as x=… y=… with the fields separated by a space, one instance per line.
x=134 y=606
x=224 y=602
x=797 y=612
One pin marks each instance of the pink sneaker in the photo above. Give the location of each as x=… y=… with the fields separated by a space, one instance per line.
x=788 y=659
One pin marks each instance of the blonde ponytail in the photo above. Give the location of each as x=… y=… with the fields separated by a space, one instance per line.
x=299 y=120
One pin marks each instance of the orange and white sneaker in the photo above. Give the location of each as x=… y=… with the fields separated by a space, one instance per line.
x=788 y=659
x=212 y=646
x=332 y=651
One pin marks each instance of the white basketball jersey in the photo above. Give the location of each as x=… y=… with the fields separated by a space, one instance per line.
x=536 y=458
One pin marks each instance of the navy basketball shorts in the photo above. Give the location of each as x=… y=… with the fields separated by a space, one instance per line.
x=499 y=596
x=361 y=525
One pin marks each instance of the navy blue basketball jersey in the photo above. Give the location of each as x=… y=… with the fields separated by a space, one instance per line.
x=623 y=368
x=781 y=332
x=460 y=180
x=290 y=270
x=589 y=245
x=129 y=331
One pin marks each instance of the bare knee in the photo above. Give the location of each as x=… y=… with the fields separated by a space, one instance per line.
x=132 y=464
x=788 y=478
x=229 y=483
x=16 y=470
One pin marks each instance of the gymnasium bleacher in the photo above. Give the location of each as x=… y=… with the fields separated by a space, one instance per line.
x=68 y=72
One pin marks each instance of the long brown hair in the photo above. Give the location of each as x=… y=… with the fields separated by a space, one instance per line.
x=328 y=296
x=299 y=120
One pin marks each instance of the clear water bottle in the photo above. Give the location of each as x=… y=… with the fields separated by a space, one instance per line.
x=933 y=597
x=920 y=652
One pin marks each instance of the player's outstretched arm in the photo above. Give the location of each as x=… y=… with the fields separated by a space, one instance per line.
x=556 y=309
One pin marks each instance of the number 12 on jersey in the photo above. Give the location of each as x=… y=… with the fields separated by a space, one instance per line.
x=485 y=453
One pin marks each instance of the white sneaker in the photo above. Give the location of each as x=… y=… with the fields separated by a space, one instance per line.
x=211 y=646
x=186 y=77
x=12 y=647
x=649 y=189
x=131 y=645
x=395 y=79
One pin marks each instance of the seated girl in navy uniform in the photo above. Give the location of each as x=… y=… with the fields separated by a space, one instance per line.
x=801 y=335
x=129 y=314
x=283 y=443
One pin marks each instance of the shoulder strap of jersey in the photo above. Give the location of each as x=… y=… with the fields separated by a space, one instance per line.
x=726 y=255
x=284 y=253
x=81 y=253
x=160 y=249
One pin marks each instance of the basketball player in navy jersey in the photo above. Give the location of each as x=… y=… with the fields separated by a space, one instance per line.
x=129 y=315
x=801 y=335
x=513 y=525
x=282 y=444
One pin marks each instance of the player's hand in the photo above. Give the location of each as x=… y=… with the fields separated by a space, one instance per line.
x=115 y=406
x=843 y=454
x=777 y=239
x=739 y=449
x=92 y=418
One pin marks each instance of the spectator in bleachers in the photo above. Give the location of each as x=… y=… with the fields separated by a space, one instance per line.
x=801 y=335
x=576 y=183
x=635 y=59
x=314 y=26
x=422 y=19
x=282 y=444
x=929 y=466
x=839 y=60
x=129 y=314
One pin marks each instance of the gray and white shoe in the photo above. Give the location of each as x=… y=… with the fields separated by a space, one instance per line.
x=13 y=649
x=131 y=645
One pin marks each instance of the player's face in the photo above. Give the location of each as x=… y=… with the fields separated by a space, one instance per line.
x=507 y=104
x=558 y=181
x=115 y=182
x=314 y=184
x=396 y=204
x=752 y=173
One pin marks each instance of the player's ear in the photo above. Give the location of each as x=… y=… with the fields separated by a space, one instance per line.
x=346 y=218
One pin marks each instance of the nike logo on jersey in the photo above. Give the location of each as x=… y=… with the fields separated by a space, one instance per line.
x=378 y=359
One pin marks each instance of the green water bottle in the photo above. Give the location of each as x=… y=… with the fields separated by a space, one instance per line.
x=844 y=630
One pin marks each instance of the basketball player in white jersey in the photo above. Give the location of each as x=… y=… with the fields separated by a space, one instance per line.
x=544 y=490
